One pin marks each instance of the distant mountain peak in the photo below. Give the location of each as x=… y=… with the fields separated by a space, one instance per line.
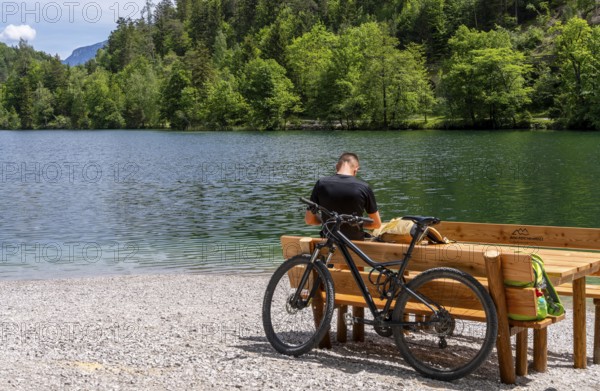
x=84 y=54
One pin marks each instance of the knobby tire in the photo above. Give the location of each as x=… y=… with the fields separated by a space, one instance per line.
x=458 y=342
x=293 y=331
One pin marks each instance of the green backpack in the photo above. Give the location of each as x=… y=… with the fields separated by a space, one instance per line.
x=548 y=302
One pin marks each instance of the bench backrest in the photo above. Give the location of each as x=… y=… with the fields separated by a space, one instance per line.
x=537 y=236
x=469 y=258
x=463 y=256
x=522 y=235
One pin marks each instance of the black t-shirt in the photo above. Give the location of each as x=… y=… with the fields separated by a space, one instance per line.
x=345 y=194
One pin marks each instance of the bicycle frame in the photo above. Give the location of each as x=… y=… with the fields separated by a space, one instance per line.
x=430 y=316
x=337 y=238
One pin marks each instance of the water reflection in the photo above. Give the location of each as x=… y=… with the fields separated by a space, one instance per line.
x=116 y=202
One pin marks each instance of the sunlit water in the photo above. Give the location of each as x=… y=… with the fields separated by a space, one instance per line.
x=126 y=202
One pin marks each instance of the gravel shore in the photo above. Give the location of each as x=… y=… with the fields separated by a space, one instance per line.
x=204 y=332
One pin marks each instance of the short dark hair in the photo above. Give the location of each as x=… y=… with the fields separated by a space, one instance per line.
x=348 y=157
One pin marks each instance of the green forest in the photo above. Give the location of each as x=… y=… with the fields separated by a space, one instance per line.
x=332 y=64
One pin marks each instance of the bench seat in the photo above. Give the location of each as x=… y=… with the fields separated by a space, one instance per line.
x=591 y=291
x=460 y=313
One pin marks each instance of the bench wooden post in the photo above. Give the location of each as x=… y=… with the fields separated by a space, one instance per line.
x=493 y=266
x=597 y=332
x=358 y=329
x=540 y=349
x=342 y=329
x=307 y=247
x=579 y=332
x=318 y=306
x=521 y=353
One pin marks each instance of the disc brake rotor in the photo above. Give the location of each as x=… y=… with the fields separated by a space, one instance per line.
x=445 y=324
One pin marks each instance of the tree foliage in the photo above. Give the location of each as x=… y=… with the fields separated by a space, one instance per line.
x=577 y=49
x=269 y=94
x=485 y=79
x=221 y=64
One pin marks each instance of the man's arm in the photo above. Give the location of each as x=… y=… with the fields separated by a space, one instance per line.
x=371 y=204
x=311 y=219
x=376 y=221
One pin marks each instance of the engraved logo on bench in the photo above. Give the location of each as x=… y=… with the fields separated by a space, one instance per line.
x=523 y=234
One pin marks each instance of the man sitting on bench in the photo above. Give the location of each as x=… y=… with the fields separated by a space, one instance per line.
x=345 y=194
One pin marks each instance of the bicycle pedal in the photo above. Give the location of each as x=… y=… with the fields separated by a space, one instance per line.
x=349 y=319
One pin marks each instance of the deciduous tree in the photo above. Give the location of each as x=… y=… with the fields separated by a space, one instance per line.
x=269 y=93
x=485 y=78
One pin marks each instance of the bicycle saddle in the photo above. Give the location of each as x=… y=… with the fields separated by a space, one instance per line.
x=424 y=221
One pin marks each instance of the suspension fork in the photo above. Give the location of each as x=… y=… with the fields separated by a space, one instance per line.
x=306 y=275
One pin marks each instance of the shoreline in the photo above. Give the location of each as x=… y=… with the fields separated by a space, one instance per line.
x=204 y=331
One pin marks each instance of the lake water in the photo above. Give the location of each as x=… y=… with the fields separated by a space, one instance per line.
x=124 y=202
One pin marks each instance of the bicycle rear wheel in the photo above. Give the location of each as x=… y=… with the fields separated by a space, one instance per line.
x=295 y=327
x=454 y=340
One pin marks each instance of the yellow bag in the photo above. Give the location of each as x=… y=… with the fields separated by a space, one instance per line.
x=395 y=231
x=401 y=231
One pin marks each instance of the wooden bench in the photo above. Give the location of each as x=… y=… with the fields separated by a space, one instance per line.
x=490 y=267
x=581 y=240
x=592 y=292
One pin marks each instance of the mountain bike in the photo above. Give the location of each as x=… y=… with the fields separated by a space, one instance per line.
x=443 y=320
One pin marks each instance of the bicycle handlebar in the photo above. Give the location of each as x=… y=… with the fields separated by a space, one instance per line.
x=314 y=207
x=345 y=218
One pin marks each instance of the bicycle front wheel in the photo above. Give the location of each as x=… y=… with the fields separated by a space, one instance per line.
x=451 y=335
x=295 y=317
